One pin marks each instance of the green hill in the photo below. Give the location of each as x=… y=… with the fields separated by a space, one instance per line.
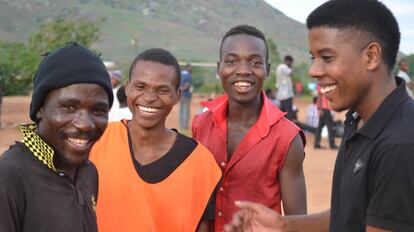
x=191 y=29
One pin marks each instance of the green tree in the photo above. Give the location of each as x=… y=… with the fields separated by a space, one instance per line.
x=51 y=35
x=17 y=66
x=18 y=62
x=274 y=59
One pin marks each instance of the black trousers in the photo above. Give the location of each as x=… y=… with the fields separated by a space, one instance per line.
x=325 y=119
x=287 y=106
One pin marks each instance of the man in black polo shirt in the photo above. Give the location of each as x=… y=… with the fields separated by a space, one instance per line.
x=354 y=44
x=46 y=180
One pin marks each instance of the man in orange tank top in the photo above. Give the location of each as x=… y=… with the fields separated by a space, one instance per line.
x=152 y=178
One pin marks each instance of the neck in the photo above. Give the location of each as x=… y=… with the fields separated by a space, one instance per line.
x=376 y=95
x=147 y=137
x=245 y=113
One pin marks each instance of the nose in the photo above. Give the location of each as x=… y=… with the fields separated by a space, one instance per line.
x=243 y=68
x=84 y=121
x=316 y=70
x=150 y=95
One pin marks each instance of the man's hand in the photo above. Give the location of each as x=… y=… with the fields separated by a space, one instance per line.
x=255 y=217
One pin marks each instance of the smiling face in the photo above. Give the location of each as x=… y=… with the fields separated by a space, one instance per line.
x=243 y=67
x=72 y=118
x=151 y=93
x=340 y=67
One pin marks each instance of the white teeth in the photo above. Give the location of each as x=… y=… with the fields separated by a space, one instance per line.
x=327 y=89
x=148 y=109
x=79 y=142
x=242 y=83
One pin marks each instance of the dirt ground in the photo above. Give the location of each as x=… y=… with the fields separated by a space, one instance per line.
x=318 y=164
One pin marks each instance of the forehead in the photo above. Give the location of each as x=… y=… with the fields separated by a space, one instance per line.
x=81 y=92
x=326 y=38
x=153 y=71
x=242 y=44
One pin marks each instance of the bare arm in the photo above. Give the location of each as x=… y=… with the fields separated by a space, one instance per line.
x=257 y=217
x=203 y=226
x=292 y=180
x=375 y=229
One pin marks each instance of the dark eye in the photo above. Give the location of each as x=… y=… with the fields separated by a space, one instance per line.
x=256 y=63
x=163 y=90
x=327 y=58
x=139 y=87
x=100 y=111
x=230 y=61
x=69 y=107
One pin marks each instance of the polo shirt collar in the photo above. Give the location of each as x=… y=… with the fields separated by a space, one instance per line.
x=269 y=115
x=385 y=111
x=39 y=148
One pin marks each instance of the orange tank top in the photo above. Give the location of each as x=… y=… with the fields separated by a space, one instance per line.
x=129 y=204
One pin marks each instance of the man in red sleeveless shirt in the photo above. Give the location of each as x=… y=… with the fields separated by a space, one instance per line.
x=259 y=151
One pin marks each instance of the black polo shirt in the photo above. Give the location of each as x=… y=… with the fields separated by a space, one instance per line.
x=373 y=182
x=36 y=197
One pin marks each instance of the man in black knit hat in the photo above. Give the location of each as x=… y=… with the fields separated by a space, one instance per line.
x=46 y=180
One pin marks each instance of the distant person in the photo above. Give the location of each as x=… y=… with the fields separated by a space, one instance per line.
x=271 y=96
x=259 y=151
x=116 y=80
x=403 y=73
x=152 y=178
x=354 y=45
x=123 y=111
x=312 y=115
x=186 y=90
x=46 y=180
x=1 y=100
x=298 y=88
x=325 y=119
x=284 y=86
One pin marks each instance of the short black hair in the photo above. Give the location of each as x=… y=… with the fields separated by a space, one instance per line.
x=161 y=56
x=247 y=30
x=371 y=17
x=121 y=96
x=288 y=58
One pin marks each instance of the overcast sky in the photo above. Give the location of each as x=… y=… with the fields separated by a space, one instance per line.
x=402 y=9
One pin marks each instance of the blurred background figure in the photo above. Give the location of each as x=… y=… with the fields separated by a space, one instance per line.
x=186 y=94
x=298 y=88
x=284 y=86
x=116 y=80
x=271 y=96
x=122 y=112
x=403 y=73
x=1 y=99
x=325 y=118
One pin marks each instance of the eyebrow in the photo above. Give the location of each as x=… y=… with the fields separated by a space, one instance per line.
x=76 y=101
x=322 y=50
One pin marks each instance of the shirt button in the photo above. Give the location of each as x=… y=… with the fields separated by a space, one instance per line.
x=220 y=214
x=223 y=164
x=221 y=189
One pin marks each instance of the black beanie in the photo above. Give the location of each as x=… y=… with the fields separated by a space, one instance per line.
x=71 y=64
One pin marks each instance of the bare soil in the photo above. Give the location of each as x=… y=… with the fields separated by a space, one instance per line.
x=318 y=164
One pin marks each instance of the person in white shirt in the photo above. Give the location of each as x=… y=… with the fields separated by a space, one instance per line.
x=284 y=86
x=122 y=112
x=403 y=73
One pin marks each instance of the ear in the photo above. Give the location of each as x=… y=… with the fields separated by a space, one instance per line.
x=373 y=56
x=179 y=91
x=218 y=69
x=39 y=114
x=267 y=70
x=127 y=86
